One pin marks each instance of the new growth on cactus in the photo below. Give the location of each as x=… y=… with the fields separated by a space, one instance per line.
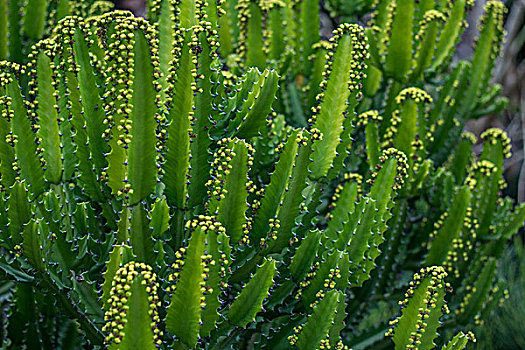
x=218 y=175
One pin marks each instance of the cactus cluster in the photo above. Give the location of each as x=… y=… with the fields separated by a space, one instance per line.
x=218 y=176
x=25 y=22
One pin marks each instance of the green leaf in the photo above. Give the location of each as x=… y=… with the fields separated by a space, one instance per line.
x=249 y=302
x=213 y=11
x=339 y=322
x=142 y=165
x=381 y=14
x=393 y=165
x=299 y=118
x=116 y=159
x=137 y=330
x=49 y=131
x=496 y=147
x=62 y=249
x=241 y=90
x=292 y=31
x=442 y=104
x=123 y=225
x=26 y=303
x=120 y=110
x=69 y=336
x=246 y=110
x=184 y=312
x=320 y=321
x=490 y=102
x=372 y=81
x=393 y=247
x=505 y=229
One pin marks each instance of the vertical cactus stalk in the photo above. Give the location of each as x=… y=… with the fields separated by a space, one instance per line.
x=371 y=121
x=251 y=30
x=15 y=31
x=310 y=28
x=342 y=77
x=204 y=43
x=487 y=49
x=421 y=310
x=28 y=163
x=133 y=304
x=4 y=30
x=425 y=42
x=34 y=18
x=399 y=55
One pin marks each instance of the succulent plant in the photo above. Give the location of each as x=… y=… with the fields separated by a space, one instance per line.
x=193 y=180
x=23 y=23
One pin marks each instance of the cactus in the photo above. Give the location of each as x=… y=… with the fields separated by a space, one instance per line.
x=23 y=23
x=193 y=181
